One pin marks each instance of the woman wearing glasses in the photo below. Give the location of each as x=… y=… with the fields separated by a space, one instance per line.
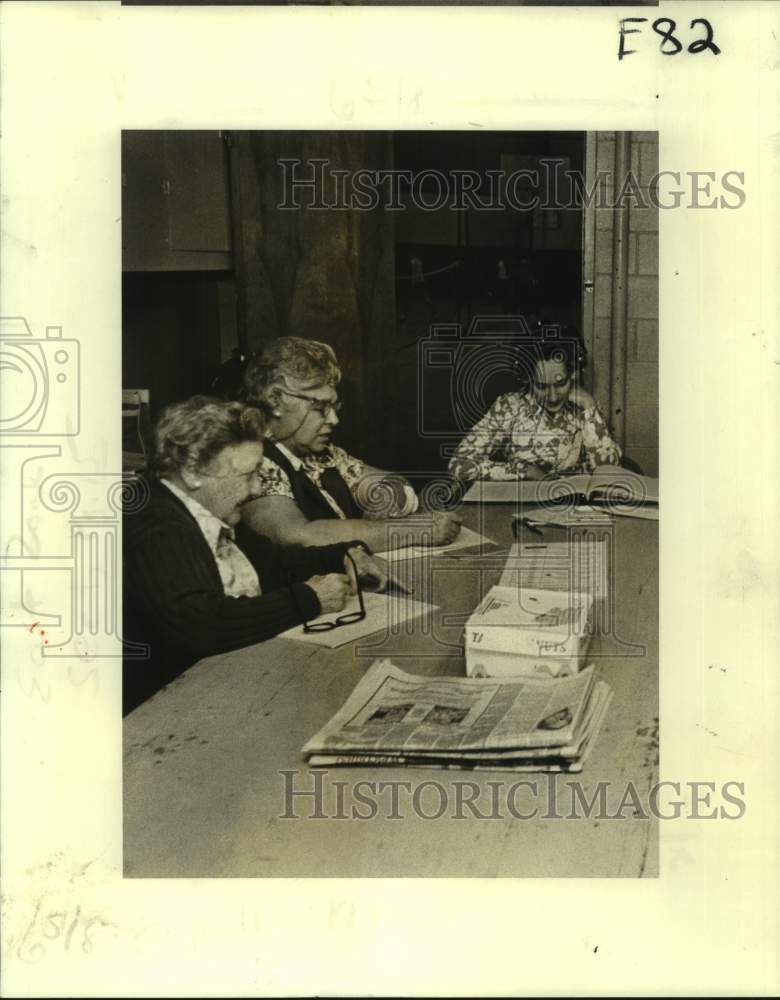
x=312 y=492
x=198 y=583
x=553 y=427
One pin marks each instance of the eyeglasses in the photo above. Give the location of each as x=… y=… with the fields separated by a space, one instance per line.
x=321 y=406
x=348 y=619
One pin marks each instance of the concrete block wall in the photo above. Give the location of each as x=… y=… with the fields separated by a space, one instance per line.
x=642 y=347
x=641 y=441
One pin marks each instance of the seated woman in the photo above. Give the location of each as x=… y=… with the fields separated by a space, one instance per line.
x=195 y=582
x=551 y=428
x=310 y=491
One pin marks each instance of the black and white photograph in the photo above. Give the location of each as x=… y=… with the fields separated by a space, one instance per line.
x=391 y=404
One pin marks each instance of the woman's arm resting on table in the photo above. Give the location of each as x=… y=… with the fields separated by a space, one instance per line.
x=385 y=494
x=171 y=586
x=280 y=519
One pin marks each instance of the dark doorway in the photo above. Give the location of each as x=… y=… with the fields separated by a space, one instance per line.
x=455 y=267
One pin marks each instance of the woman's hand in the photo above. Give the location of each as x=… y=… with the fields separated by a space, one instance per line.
x=371 y=571
x=446 y=527
x=531 y=472
x=466 y=470
x=331 y=590
x=581 y=398
x=440 y=528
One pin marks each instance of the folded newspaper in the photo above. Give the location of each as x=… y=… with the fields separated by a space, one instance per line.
x=394 y=718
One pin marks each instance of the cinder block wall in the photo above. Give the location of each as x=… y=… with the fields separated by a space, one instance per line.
x=641 y=348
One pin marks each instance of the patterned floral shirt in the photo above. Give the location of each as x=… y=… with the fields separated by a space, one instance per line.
x=272 y=481
x=517 y=431
x=238 y=575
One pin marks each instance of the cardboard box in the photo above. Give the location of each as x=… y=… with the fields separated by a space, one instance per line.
x=514 y=632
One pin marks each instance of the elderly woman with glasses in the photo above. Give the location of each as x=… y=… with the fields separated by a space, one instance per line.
x=550 y=427
x=196 y=582
x=311 y=491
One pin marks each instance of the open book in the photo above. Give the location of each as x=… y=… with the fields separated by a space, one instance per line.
x=608 y=485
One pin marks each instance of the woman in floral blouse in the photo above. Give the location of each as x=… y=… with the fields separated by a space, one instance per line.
x=309 y=490
x=553 y=427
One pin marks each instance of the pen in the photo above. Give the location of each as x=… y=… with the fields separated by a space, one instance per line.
x=525 y=523
x=476 y=555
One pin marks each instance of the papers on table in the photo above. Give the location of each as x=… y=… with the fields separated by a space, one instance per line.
x=576 y=566
x=648 y=513
x=608 y=490
x=519 y=724
x=466 y=539
x=594 y=515
x=510 y=491
x=529 y=491
x=582 y=515
x=382 y=612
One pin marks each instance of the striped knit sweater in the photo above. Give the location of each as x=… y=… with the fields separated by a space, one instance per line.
x=173 y=597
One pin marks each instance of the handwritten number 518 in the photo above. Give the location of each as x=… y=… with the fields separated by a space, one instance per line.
x=665 y=28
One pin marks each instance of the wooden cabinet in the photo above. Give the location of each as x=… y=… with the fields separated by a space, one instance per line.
x=175 y=201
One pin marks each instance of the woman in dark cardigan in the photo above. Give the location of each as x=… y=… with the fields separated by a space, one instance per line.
x=197 y=582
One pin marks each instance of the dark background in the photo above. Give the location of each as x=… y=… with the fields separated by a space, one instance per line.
x=212 y=265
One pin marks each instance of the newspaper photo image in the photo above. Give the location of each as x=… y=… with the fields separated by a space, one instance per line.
x=394 y=711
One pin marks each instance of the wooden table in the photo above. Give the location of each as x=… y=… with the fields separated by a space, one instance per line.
x=203 y=794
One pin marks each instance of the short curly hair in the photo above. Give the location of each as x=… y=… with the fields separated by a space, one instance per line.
x=310 y=362
x=190 y=434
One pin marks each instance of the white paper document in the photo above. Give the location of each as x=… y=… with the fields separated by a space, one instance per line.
x=466 y=539
x=580 y=516
x=382 y=612
x=572 y=566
